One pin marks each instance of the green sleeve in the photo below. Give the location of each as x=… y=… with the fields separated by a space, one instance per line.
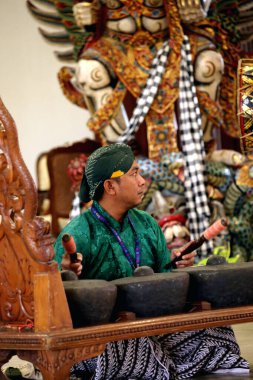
x=59 y=250
x=163 y=253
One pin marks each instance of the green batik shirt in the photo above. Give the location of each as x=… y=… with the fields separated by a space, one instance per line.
x=103 y=257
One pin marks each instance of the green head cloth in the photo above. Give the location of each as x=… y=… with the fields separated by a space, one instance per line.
x=110 y=161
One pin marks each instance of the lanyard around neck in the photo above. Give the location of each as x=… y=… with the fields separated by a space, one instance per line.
x=125 y=250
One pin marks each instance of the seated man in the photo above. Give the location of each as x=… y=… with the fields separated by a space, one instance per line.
x=113 y=238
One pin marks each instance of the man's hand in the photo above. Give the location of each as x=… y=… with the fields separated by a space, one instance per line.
x=187 y=259
x=76 y=267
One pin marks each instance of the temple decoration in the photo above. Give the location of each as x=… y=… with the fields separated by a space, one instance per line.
x=114 y=43
x=245 y=103
x=116 y=47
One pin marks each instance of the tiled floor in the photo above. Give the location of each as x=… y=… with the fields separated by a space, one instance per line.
x=244 y=335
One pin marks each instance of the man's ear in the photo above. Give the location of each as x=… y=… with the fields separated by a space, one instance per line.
x=109 y=186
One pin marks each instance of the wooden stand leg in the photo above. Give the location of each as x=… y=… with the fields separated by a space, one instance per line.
x=56 y=364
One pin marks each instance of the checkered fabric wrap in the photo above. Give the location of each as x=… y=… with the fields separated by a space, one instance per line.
x=148 y=94
x=191 y=137
x=190 y=134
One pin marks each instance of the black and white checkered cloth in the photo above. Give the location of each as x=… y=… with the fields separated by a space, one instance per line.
x=148 y=94
x=190 y=131
x=192 y=142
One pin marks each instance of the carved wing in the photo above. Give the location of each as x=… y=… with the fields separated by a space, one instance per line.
x=236 y=18
x=60 y=26
x=245 y=25
x=62 y=30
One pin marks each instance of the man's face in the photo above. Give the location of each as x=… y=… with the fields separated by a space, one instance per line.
x=131 y=187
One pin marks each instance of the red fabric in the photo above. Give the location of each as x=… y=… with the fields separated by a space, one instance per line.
x=169 y=218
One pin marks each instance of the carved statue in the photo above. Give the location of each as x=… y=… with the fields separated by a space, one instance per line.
x=114 y=45
x=117 y=64
x=131 y=57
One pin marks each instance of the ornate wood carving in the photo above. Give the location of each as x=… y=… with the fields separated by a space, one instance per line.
x=55 y=365
x=25 y=243
x=25 y=240
x=245 y=103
